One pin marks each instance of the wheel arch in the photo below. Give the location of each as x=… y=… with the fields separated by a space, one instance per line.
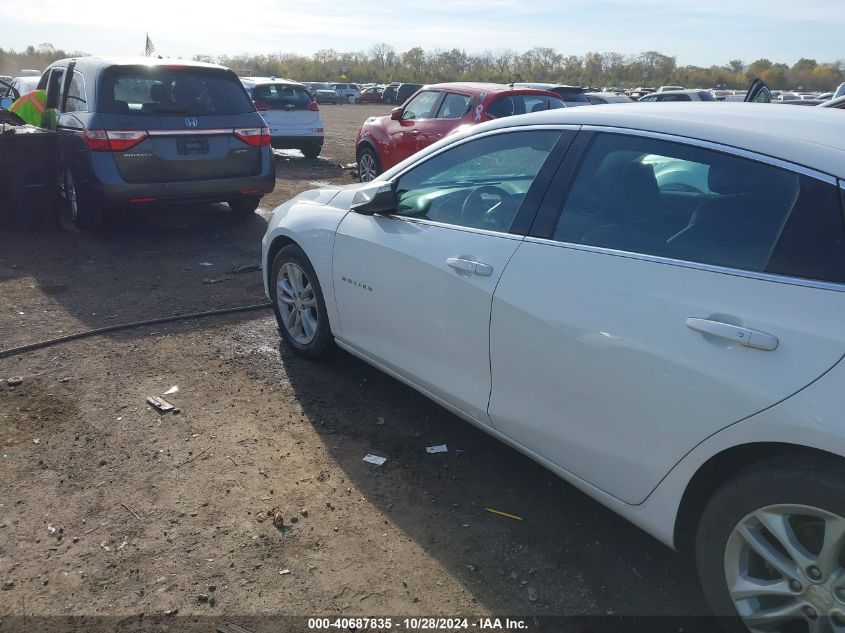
x=278 y=243
x=720 y=468
x=365 y=142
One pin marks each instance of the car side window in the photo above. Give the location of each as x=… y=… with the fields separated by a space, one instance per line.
x=76 y=101
x=812 y=244
x=454 y=106
x=420 y=107
x=480 y=183
x=655 y=197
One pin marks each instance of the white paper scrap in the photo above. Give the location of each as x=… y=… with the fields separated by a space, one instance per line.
x=441 y=448
x=374 y=459
x=172 y=390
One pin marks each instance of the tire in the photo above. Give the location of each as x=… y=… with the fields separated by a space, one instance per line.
x=293 y=313
x=369 y=165
x=85 y=211
x=244 y=205
x=798 y=495
x=312 y=152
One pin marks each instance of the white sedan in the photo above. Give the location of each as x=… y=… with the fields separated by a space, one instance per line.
x=672 y=351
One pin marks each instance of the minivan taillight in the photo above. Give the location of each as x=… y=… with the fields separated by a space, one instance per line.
x=261 y=106
x=313 y=106
x=112 y=140
x=254 y=136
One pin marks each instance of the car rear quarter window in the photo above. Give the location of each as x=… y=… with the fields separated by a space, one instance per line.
x=162 y=90
x=281 y=96
x=655 y=197
x=812 y=245
x=76 y=100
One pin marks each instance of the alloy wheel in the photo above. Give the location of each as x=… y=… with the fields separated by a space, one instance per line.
x=367 y=167
x=785 y=568
x=297 y=303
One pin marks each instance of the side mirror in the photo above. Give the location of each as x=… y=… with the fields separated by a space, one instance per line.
x=396 y=114
x=374 y=197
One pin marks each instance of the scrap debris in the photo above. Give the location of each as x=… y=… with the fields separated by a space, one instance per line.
x=160 y=404
x=440 y=448
x=374 y=459
x=277 y=516
x=172 y=390
x=248 y=268
x=504 y=514
x=14 y=381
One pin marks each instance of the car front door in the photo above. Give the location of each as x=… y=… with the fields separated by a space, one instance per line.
x=405 y=133
x=450 y=112
x=413 y=288
x=632 y=326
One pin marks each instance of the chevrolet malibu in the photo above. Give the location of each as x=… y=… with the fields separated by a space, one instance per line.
x=673 y=351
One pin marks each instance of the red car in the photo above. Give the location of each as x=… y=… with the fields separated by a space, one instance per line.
x=371 y=95
x=434 y=111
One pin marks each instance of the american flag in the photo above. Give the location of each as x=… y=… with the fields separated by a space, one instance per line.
x=149 y=49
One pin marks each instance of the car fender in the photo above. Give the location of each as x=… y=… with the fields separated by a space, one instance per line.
x=811 y=418
x=310 y=222
x=374 y=133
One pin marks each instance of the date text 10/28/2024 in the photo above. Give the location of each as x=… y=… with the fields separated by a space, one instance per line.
x=417 y=624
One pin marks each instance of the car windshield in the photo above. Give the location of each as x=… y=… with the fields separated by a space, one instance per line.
x=510 y=105
x=281 y=96
x=572 y=95
x=143 y=90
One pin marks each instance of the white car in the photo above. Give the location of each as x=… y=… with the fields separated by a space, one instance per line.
x=678 y=95
x=292 y=116
x=348 y=93
x=672 y=351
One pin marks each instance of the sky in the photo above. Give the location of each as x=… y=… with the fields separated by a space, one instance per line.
x=697 y=32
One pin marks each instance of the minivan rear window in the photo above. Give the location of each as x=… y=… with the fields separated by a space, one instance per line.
x=281 y=97
x=162 y=90
x=572 y=96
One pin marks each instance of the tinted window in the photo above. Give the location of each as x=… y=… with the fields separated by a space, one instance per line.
x=681 y=97
x=281 y=96
x=812 y=244
x=54 y=85
x=454 y=106
x=706 y=96
x=480 y=183
x=510 y=105
x=77 y=101
x=154 y=90
x=420 y=106
x=660 y=198
x=573 y=96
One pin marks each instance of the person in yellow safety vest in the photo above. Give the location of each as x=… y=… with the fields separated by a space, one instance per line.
x=30 y=107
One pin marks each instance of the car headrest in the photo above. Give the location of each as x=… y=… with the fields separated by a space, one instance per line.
x=725 y=177
x=159 y=93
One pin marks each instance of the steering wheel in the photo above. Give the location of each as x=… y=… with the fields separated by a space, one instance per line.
x=473 y=211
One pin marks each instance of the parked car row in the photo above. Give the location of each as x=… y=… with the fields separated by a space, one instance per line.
x=647 y=300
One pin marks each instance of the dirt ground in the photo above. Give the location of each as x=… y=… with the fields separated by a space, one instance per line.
x=108 y=507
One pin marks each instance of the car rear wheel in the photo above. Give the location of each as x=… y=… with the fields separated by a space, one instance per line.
x=770 y=547
x=244 y=205
x=369 y=165
x=86 y=212
x=299 y=305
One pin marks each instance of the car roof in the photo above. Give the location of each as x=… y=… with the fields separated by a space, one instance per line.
x=270 y=80
x=685 y=91
x=478 y=88
x=812 y=137
x=136 y=61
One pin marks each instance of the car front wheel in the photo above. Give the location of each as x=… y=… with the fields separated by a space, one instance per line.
x=369 y=166
x=299 y=305
x=770 y=547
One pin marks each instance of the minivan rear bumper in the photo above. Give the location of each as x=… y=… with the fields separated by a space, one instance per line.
x=108 y=185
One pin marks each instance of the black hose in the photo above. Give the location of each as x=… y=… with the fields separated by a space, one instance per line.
x=14 y=351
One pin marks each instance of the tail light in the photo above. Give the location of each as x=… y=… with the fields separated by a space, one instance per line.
x=254 y=136
x=112 y=140
x=261 y=106
x=313 y=106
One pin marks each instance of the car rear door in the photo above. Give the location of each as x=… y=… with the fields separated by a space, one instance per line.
x=627 y=329
x=413 y=288
x=178 y=123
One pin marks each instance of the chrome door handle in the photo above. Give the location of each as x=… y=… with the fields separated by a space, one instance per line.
x=469 y=266
x=741 y=335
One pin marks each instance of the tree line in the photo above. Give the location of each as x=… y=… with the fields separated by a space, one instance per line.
x=383 y=63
